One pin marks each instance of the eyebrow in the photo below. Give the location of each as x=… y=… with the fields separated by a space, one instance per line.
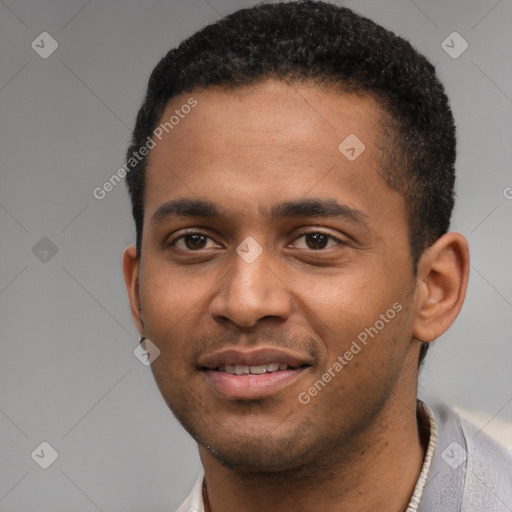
x=323 y=208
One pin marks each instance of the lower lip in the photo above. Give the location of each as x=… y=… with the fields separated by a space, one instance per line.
x=246 y=387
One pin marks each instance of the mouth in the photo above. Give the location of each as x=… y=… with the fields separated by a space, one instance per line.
x=260 y=369
x=260 y=373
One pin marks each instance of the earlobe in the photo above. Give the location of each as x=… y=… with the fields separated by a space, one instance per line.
x=131 y=279
x=443 y=272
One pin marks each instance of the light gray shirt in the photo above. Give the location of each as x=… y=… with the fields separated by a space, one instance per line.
x=470 y=472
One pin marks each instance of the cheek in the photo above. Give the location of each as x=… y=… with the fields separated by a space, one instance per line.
x=363 y=315
x=348 y=302
x=168 y=296
x=170 y=308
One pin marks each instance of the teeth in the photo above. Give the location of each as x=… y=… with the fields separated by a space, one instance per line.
x=241 y=369
x=258 y=370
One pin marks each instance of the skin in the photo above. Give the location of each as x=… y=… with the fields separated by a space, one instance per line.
x=356 y=444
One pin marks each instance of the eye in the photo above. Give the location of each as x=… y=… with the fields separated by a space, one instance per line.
x=316 y=240
x=191 y=241
x=197 y=241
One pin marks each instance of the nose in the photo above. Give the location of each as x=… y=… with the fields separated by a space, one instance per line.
x=249 y=292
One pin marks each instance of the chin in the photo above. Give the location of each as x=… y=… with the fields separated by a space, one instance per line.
x=258 y=451
x=256 y=459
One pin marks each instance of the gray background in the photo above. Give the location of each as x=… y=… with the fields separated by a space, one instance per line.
x=68 y=375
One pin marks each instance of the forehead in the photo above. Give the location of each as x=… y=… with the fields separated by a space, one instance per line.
x=270 y=141
x=269 y=113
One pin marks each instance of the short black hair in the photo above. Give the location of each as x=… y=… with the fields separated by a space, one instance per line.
x=330 y=46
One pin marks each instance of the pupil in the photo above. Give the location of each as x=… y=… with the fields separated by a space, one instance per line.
x=318 y=240
x=197 y=241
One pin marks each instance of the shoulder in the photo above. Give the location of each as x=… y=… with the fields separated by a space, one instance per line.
x=488 y=469
x=476 y=468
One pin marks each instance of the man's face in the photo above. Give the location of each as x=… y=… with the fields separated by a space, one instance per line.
x=292 y=299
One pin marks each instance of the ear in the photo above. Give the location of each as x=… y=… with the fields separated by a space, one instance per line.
x=131 y=279
x=443 y=272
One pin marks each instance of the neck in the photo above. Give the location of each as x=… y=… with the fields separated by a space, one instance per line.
x=376 y=471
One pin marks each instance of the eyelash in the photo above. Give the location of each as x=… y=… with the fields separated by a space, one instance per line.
x=314 y=232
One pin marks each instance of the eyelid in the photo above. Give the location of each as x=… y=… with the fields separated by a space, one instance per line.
x=189 y=231
x=314 y=231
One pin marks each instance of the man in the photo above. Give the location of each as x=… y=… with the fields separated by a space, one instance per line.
x=293 y=262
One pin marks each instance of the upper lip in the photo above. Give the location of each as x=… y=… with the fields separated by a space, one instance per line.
x=253 y=357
